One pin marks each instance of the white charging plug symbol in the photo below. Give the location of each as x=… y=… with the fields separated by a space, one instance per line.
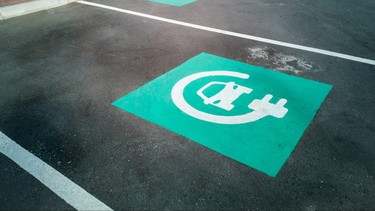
x=268 y=109
x=225 y=99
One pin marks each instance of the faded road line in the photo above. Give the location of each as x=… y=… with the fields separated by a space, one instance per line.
x=235 y=34
x=58 y=183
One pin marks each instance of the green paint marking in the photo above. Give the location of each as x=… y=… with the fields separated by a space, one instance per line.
x=177 y=3
x=253 y=115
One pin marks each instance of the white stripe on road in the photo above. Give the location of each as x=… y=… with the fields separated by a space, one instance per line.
x=235 y=34
x=58 y=183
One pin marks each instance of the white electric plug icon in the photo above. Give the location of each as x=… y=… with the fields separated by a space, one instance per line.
x=225 y=98
x=266 y=108
x=233 y=91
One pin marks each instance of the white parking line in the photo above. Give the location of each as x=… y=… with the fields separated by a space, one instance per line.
x=235 y=34
x=58 y=183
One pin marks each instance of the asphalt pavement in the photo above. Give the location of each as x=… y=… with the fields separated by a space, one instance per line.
x=61 y=70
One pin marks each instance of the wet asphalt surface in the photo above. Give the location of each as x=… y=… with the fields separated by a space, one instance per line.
x=61 y=69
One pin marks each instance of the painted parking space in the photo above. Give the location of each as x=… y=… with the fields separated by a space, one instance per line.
x=61 y=71
x=177 y=3
x=253 y=115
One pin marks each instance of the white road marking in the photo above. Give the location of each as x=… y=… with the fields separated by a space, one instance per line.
x=58 y=183
x=235 y=34
x=259 y=108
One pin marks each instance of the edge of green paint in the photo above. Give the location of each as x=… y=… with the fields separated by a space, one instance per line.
x=176 y=3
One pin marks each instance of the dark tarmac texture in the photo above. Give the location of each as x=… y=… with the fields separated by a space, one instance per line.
x=61 y=69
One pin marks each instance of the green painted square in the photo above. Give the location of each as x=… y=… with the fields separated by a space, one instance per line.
x=177 y=3
x=248 y=113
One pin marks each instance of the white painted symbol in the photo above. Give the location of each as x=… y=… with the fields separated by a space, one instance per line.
x=226 y=96
x=224 y=99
